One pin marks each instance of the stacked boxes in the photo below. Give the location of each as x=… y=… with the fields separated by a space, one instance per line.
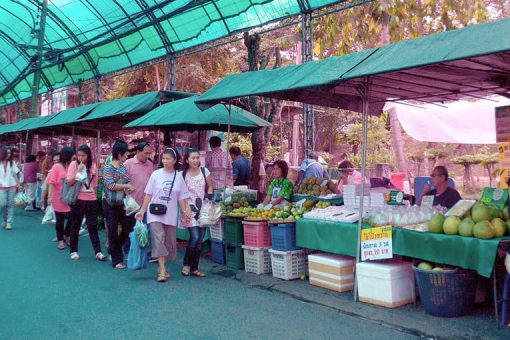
x=335 y=272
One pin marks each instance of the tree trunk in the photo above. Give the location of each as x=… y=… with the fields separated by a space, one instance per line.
x=158 y=82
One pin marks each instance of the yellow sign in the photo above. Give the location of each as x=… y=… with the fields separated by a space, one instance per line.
x=504 y=164
x=376 y=243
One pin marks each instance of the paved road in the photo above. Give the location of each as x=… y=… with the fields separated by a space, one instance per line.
x=45 y=295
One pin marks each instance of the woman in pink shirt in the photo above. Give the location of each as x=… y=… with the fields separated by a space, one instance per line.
x=55 y=179
x=84 y=170
x=166 y=188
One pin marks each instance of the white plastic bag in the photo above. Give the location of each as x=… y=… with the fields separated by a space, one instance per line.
x=209 y=214
x=81 y=176
x=49 y=216
x=130 y=205
x=21 y=199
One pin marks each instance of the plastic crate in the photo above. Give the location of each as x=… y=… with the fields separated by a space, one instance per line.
x=447 y=293
x=218 y=251
x=257 y=260
x=288 y=265
x=257 y=234
x=235 y=256
x=233 y=228
x=283 y=236
x=218 y=230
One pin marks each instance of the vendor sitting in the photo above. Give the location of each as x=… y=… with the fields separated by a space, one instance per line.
x=281 y=189
x=443 y=194
x=347 y=176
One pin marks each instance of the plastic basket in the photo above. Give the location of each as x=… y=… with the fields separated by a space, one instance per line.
x=218 y=230
x=234 y=256
x=257 y=260
x=447 y=293
x=283 y=236
x=257 y=234
x=218 y=251
x=233 y=230
x=288 y=265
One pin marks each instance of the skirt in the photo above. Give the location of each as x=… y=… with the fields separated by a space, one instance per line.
x=164 y=240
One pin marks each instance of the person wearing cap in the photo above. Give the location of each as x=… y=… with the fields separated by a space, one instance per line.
x=216 y=161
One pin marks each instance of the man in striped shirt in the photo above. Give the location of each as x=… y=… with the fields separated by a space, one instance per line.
x=217 y=162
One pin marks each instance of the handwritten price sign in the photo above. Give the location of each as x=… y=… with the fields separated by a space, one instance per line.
x=376 y=243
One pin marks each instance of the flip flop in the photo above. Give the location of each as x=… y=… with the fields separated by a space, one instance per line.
x=185 y=271
x=198 y=274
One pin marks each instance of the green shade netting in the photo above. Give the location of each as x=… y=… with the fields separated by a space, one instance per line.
x=185 y=115
x=88 y=38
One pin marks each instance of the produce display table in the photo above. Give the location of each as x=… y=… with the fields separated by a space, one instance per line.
x=334 y=201
x=341 y=238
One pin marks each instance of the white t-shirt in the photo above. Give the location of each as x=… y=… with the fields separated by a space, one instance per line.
x=8 y=173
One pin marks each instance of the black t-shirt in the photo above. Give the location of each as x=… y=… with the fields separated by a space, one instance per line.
x=446 y=199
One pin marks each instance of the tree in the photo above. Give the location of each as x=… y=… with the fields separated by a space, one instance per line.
x=488 y=162
x=467 y=161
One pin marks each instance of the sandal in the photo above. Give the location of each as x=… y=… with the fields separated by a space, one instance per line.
x=162 y=277
x=100 y=257
x=120 y=266
x=185 y=271
x=198 y=273
x=61 y=245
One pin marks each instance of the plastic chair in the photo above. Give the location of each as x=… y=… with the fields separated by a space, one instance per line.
x=420 y=181
x=506 y=300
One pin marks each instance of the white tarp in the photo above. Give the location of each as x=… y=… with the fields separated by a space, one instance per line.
x=461 y=122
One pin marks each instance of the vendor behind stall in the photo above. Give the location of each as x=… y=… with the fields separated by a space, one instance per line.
x=347 y=176
x=281 y=189
x=311 y=168
x=444 y=195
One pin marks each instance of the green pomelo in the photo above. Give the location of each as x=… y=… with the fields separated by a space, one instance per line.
x=508 y=225
x=495 y=212
x=480 y=213
x=437 y=268
x=436 y=223
x=425 y=266
x=451 y=225
x=466 y=227
x=505 y=213
x=484 y=230
x=500 y=226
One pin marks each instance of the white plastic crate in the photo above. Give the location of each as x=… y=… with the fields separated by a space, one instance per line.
x=288 y=265
x=257 y=260
x=218 y=230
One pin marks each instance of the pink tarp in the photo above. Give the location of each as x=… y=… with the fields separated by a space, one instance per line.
x=461 y=122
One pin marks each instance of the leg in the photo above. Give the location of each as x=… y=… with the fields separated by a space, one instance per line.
x=171 y=242
x=158 y=245
x=91 y=217
x=127 y=223
x=59 y=228
x=10 y=206
x=30 y=192
x=112 y=219
x=188 y=256
x=3 y=205
x=67 y=230
x=198 y=249
x=77 y=213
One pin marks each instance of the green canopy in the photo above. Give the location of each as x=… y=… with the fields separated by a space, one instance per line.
x=69 y=116
x=85 y=39
x=182 y=115
x=469 y=62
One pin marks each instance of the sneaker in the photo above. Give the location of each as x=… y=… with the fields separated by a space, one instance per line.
x=120 y=266
x=30 y=208
x=74 y=256
x=153 y=260
x=83 y=232
x=8 y=226
x=54 y=239
x=100 y=257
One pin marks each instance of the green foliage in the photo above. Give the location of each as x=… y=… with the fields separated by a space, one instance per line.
x=467 y=160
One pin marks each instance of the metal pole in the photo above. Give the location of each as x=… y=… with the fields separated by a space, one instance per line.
x=229 y=108
x=307 y=55
x=172 y=73
x=99 y=91
x=34 y=103
x=364 y=112
x=98 y=156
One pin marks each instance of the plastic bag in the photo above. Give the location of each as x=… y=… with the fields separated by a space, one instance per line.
x=209 y=214
x=138 y=257
x=130 y=205
x=49 y=216
x=21 y=199
x=142 y=234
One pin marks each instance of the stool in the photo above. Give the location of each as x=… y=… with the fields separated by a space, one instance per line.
x=506 y=300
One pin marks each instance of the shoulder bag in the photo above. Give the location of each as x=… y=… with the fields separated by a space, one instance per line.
x=160 y=209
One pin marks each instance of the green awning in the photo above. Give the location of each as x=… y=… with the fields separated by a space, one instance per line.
x=469 y=62
x=85 y=39
x=184 y=115
x=69 y=116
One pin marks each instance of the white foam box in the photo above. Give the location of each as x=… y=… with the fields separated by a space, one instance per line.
x=388 y=283
x=335 y=272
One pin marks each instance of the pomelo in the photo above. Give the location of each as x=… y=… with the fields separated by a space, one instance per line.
x=508 y=225
x=451 y=225
x=466 y=227
x=437 y=268
x=495 y=212
x=425 y=266
x=500 y=226
x=480 y=213
x=505 y=213
x=484 y=230
x=436 y=223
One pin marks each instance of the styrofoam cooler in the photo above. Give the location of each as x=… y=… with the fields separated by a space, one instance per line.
x=388 y=283
x=331 y=271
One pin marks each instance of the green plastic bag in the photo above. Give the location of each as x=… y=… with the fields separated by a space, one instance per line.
x=142 y=234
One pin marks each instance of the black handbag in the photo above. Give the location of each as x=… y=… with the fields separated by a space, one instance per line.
x=160 y=209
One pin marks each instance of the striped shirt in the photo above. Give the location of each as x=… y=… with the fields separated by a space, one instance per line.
x=112 y=176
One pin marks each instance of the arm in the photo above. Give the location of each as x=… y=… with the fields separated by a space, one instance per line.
x=266 y=200
x=50 y=193
x=210 y=189
x=111 y=185
x=299 y=179
x=426 y=190
x=277 y=201
x=146 y=200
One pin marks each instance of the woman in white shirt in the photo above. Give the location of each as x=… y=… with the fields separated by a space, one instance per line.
x=9 y=183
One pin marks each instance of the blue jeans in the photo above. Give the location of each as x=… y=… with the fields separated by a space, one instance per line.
x=194 y=247
x=7 y=204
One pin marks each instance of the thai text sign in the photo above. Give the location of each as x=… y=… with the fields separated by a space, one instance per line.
x=376 y=243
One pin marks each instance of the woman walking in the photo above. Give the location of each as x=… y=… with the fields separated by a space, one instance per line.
x=116 y=184
x=164 y=194
x=9 y=182
x=199 y=183
x=56 y=178
x=30 y=170
x=84 y=170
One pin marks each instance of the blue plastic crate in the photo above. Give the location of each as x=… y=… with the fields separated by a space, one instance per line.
x=283 y=236
x=218 y=251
